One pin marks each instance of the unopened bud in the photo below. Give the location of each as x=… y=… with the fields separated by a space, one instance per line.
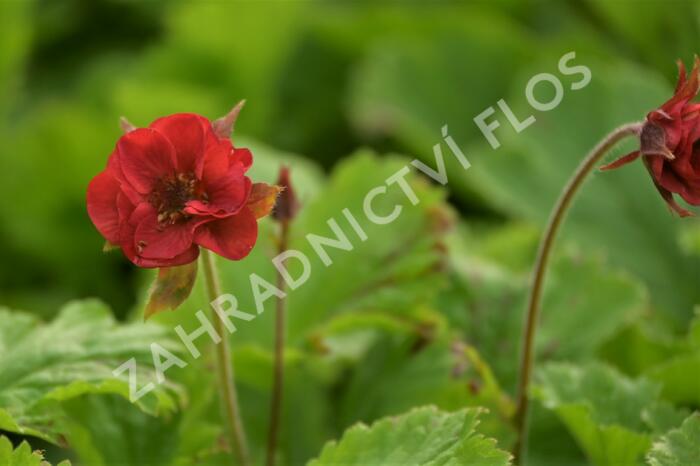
x=287 y=204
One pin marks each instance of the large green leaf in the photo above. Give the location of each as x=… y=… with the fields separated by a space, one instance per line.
x=422 y=437
x=641 y=345
x=75 y=354
x=399 y=372
x=22 y=455
x=679 y=447
x=524 y=176
x=489 y=295
x=611 y=417
x=106 y=430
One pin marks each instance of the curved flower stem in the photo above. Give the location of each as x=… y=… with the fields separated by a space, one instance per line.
x=224 y=368
x=278 y=376
x=545 y=248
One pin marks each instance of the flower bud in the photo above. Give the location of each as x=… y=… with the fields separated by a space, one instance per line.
x=287 y=204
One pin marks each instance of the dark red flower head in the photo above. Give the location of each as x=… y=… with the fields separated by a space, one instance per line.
x=669 y=143
x=172 y=187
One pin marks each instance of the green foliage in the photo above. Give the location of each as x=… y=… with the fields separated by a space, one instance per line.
x=575 y=324
x=22 y=455
x=74 y=355
x=522 y=178
x=334 y=321
x=679 y=447
x=424 y=436
x=611 y=417
x=418 y=314
x=673 y=375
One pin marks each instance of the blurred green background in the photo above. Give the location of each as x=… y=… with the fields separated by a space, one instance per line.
x=332 y=87
x=321 y=79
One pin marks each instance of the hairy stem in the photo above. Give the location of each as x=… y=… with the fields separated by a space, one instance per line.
x=545 y=248
x=224 y=368
x=278 y=376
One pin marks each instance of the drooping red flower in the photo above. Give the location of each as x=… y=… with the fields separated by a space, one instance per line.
x=173 y=187
x=670 y=143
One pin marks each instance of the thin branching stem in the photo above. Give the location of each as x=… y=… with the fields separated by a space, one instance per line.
x=545 y=248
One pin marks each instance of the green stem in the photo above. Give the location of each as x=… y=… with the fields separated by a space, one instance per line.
x=224 y=368
x=533 y=310
x=278 y=376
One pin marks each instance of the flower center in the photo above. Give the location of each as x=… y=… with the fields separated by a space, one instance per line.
x=172 y=192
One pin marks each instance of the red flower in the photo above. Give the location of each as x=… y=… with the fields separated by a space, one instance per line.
x=172 y=187
x=669 y=143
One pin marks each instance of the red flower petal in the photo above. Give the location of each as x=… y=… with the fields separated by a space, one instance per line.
x=227 y=195
x=685 y=89
x=145 y=156
x=129 y=247
x=652 y=164
x=242 y=156
x=154 y=240
x=231 y=237
x=216 y=159
x=185 y=258
x=187 y=133
x=102 y=205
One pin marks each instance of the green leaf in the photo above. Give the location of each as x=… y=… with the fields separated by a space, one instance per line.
x=398 y=373
x=106 y=430
x=307 y=410
x=663 y=416
x=171 y=288
x=679 y=447
x=674 y=375
x=22 y=455
x=523 y=177
x=608 y=414
x=75 y=354
x=641 y=345
x=489 y=298
x=422 y=437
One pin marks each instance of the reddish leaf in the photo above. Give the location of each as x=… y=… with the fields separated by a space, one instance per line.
x=172 y=286
x=262 y=199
